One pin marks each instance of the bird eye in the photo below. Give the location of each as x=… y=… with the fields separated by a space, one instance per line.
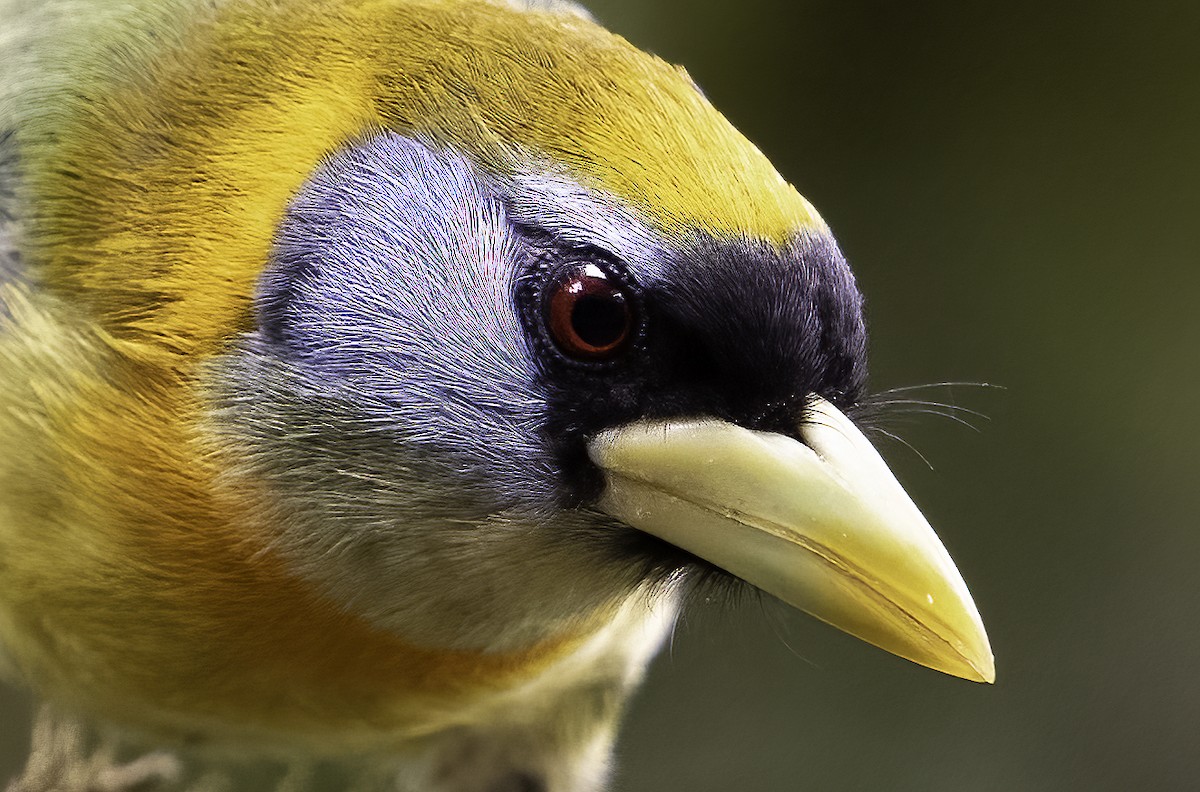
x=588 y=313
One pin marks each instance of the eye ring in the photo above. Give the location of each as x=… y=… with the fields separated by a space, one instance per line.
x=588 y=313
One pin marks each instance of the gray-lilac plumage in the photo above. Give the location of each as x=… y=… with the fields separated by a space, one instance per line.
x=395 y=387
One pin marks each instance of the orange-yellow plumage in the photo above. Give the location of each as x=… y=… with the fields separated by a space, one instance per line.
x=140 y=585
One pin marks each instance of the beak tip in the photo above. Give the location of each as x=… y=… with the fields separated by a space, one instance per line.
x=953 y=658
x=979 y=668
x=984 y=673
x=965 y=652
x=975 y=666
x=986 y=670
x=974 y=652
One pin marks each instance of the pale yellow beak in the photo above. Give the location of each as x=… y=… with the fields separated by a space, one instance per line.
x=822 y=524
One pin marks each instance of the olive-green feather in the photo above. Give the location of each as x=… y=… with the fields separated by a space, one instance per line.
x=157 y=176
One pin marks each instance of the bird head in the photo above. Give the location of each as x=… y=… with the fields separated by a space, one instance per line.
x=561 y=332
x=499 y=320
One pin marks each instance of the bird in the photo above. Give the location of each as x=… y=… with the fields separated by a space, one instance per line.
x=379 y=377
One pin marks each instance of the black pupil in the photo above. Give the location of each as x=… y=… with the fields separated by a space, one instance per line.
x=599 y=319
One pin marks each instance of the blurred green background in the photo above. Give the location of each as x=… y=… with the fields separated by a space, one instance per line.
x=1017 y=186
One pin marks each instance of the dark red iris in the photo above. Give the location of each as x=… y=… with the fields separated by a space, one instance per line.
x=588 y=314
